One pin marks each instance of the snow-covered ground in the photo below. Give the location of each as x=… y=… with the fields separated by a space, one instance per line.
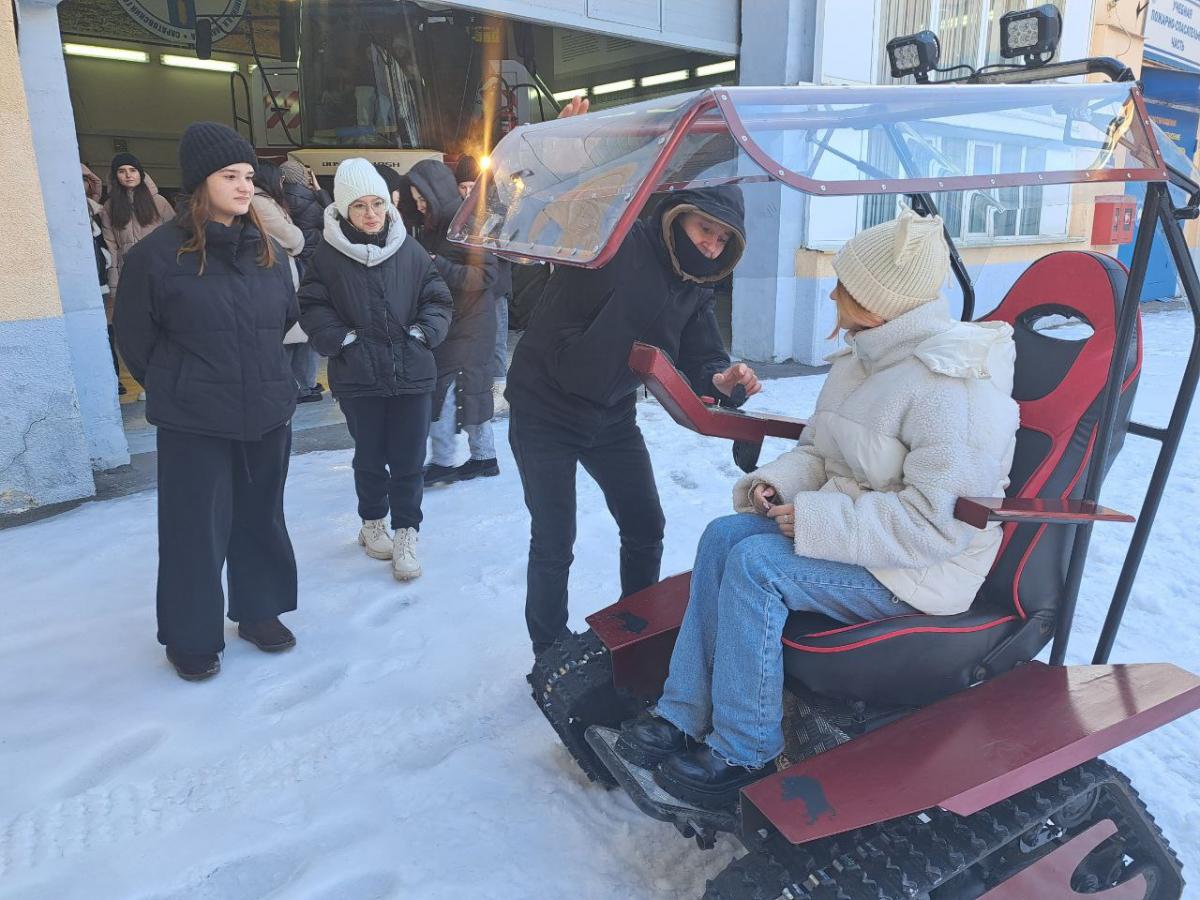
x=395 y=752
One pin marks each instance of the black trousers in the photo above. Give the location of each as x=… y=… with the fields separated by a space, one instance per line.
x=616 y=457
x=389 y=454
x=220 y=505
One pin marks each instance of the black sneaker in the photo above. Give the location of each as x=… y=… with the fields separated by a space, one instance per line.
x=477 y=468
x=702 y=778
x=269 y=635
x=194 y=666
x=649 y=739
x=319 y=388
x=309 y=397
x=435 y=474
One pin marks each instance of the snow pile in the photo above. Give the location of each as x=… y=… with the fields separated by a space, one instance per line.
x=395 y=752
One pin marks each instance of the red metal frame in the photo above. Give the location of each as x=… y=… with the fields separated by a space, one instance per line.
x=639 y=632
x=720 y=99
x=972 y=749
x=978 y=511
x=663 y=380
x=818 y=188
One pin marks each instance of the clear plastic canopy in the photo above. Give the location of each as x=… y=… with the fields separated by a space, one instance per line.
x=568 y=190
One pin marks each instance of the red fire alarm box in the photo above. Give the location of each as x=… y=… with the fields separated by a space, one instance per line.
x=1112 y=220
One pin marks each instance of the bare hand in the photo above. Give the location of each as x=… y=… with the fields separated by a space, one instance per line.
x=576 y=107
x=785 y=517
x=738 y=373
x=761 y=497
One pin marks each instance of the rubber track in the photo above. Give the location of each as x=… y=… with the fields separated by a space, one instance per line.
x=572 y=685
x=910 y=857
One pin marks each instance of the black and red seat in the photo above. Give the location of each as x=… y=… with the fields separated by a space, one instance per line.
x=1059 y=385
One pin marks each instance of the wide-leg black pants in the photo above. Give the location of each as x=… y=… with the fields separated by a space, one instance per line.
x=220 y=505
x=616 y=457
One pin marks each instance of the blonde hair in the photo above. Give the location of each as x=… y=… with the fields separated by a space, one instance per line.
x=851 y=316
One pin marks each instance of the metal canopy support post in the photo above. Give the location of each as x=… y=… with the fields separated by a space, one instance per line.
x=1154 y=202
x=1169 y=436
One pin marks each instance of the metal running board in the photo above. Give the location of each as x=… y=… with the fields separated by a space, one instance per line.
x=647 y=796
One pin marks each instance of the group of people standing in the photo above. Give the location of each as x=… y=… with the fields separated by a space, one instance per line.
x=209 y=303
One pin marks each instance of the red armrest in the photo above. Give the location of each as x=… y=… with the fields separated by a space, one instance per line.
x=978 y=511
x=663 y=380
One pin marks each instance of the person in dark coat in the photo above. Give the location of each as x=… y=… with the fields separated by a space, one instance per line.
x=466 y=173
x=373 y=302
x=572 y=393
x=464 y=389
x=205 y=301
x=305 y=206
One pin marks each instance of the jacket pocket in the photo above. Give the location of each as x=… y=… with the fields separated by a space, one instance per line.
x=353 y=366
x=419 y=365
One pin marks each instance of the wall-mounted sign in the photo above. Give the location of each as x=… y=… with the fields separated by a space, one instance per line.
x=175 y=20
x=1173 y=33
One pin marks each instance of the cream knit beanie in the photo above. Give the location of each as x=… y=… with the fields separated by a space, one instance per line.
x=896 y=266
x=356 y=178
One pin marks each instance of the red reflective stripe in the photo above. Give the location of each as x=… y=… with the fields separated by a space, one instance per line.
x=1016 y=583
x=929 y=629
x=860 y=625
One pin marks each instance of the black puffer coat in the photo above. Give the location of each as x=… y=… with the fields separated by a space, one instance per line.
x=473 y=277
x=377 y=292
x=308 y=214
x=571 y=365
x=208 y=348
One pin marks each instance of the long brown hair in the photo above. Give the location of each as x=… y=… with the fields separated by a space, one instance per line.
x=197 y=212
x=851 y=316
x=125 y=204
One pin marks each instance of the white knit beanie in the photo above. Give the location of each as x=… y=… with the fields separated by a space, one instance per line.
x=896 y=266
x=356 y=178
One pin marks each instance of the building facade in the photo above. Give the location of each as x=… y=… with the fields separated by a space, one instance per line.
x=130 y=80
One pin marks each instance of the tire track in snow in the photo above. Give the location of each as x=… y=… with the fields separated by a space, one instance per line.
x=344 y=748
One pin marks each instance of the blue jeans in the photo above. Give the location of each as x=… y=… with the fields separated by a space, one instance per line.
x=727 y=668
x=304 y=360
x=444 y=433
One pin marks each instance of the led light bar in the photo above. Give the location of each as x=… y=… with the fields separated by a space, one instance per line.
x=716 y=68
x=190 y=62
x=665 y=78
x=613 y=87
x=114 y=53
x=564 y=96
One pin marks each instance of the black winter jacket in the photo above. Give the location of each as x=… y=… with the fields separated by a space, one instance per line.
x=377 y=292
x=572 y=363
x=308 y=214
x=208 y=347
x=473 y=277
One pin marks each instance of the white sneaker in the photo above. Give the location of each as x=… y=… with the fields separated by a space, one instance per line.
x=405 y=566
x=499 y=404
x=375 y=539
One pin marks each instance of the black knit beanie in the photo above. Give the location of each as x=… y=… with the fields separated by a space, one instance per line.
x=393 y=179
x=125 y=159
x=208 y=147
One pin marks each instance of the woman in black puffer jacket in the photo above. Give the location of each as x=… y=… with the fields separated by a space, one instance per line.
x=205 y=301
x=373 y=303
x=464 y=361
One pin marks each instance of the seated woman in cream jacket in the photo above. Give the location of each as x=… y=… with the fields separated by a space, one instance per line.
x=857 y=522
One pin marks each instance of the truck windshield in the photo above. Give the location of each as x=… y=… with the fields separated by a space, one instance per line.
x=388 y=73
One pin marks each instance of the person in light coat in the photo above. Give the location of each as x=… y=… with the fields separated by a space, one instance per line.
x=856 y=523
x=270 y=202
x=133 y=210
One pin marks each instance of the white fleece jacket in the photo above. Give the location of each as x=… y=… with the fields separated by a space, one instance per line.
x=913 y=415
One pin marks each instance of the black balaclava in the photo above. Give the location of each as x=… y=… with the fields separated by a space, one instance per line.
x=355 y=236
x=689 y=257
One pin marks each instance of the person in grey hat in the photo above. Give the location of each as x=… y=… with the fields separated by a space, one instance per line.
x=204 y=304
x=856 y=523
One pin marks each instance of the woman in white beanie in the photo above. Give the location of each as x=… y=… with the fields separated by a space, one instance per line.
x=856 y=523
x=372 y=301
